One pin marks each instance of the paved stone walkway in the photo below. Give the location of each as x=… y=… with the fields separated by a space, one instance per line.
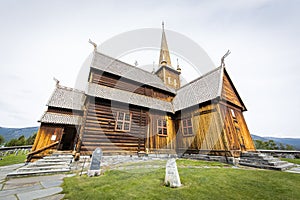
x=34 y=187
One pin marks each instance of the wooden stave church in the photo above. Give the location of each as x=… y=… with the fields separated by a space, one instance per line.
x=126 y=110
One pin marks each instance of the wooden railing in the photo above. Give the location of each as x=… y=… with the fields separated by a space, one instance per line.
x=31 y=154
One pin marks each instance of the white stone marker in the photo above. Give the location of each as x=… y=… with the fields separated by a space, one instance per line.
x=172 y=178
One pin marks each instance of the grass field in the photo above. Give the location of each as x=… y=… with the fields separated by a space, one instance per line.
x=12 y=159
x=201 y=180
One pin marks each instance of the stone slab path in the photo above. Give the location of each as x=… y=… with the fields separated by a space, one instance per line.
x=34 y=187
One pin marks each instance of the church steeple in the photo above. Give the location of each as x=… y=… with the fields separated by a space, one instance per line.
x=164 y=57
x=169 y=75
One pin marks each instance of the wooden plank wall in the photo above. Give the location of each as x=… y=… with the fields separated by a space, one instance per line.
x=161 y=143
x=114 y=81
x=99 y=130
x=228 y=92
x=207 y=128
x=43 y=137
x=236 y=137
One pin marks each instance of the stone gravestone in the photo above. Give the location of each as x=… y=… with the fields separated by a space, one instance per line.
x=95 y=163
x=172 y=178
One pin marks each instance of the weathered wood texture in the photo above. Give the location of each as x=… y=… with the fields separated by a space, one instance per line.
x=236 y=130
x=114 y=81
x=207 y=129
x=64 y=111
x=99 y=130
x=215 y=129
x=228 y=92
x=163 y=143
x=169 y=76
x=43 y=138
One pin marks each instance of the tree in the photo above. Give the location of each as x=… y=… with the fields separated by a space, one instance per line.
x=2 y=140
x=259 y=144
x=281 y=146
x=289 y=147
x=16 y=142
x=31 y=139
x=12 y=142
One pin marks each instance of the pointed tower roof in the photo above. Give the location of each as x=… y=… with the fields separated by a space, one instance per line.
x=164 y=57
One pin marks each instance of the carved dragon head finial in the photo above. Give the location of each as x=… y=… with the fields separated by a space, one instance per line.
x=223 y=58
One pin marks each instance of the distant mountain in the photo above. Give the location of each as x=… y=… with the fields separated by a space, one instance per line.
x=295 y=142
x=10 y=133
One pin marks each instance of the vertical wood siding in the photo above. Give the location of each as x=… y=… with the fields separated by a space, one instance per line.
x=228 y=92
x=161 y=142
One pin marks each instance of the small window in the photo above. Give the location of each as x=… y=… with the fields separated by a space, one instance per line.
x=123 y=121
x=175 y=82
x=187 y=127
x=162 y=127
x=169 y=80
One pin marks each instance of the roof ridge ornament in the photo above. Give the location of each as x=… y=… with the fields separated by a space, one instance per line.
x=223 y=58
x=56 y=82
x=178 y=67
x=94 y=44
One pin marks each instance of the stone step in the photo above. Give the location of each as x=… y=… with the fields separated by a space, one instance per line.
x=54 y=160
x=277 y=163
x=285 y=166
x=279 y=167
x=58 y=157
x=32 y=173
x=252 y=154
x=37 y=168
x=41 y=163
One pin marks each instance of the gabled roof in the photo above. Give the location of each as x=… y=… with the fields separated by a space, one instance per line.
x=69 y=98
x=205 y=88
x=202 y=89
x=117 y=67
x=128 y=97
x=59 y=118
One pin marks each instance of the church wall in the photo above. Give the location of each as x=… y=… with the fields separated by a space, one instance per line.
x=100 y=128
x=114 y=81
x=228 y=92
x=45 y=137
x=169 y=76
x=235 y=128
x=207 y=132
x=161 y=142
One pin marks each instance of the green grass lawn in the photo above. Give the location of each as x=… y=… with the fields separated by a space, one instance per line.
x=12 y=159
x=296 y=161
x=198 y=183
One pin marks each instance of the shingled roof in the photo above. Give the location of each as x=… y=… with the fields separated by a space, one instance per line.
x=117 y=67
x=204 y=88
x=128 y=97
x=69 y=98
x=58 y=118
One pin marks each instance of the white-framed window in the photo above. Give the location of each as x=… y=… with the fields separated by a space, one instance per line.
x=175 y=82
x=123 y=121
x=187 y=126
x=162 y=128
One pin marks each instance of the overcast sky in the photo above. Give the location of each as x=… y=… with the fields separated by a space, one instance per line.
x=45 y=39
